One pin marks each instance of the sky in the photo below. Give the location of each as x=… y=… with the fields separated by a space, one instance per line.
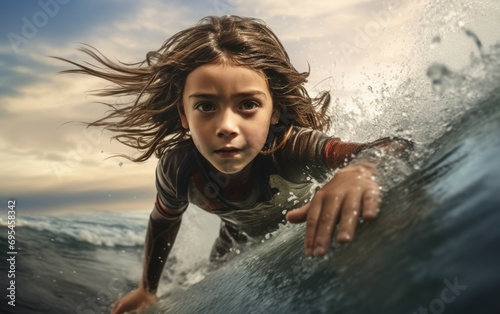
x=50 y=164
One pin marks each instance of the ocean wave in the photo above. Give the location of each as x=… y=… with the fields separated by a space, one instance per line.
x=98 y=228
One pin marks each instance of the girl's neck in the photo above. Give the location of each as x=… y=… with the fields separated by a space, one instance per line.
x=242 y=176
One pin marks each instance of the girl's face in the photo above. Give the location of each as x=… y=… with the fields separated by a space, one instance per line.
x=228 y=110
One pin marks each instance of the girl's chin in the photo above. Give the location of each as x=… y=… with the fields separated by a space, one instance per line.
x=230 y=171
x=233 y=169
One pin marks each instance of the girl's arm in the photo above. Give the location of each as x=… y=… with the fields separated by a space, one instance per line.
x=352 y=193
x=160 y=237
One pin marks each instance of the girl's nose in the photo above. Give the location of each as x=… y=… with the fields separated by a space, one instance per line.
x=227 y=125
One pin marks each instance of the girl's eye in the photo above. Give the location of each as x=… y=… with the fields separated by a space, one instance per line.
x=205 y=106
x=249 y=105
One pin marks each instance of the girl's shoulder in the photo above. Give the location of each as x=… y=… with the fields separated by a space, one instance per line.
x=176 y=163
x=177 y=155
x=301 y=155
x=304 y=142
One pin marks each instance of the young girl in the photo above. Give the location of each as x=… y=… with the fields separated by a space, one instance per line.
x=236 y=134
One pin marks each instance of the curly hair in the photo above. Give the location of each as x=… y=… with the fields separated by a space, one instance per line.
x=151 y=123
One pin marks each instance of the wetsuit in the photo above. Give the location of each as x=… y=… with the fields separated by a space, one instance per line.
x=278 y=182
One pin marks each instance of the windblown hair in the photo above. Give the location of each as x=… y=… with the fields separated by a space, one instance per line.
x=151 y=123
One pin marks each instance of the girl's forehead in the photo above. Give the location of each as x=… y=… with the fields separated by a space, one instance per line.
x=227 y=65
x=229 y=73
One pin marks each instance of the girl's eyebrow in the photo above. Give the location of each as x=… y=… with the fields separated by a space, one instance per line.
x=251 y=93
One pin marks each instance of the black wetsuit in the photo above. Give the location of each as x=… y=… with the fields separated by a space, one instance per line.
x=278 y=182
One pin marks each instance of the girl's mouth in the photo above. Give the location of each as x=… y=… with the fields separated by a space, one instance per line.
x=228 y=151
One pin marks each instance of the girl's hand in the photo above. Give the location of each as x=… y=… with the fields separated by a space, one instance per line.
x=351 y=192
x=136 y=301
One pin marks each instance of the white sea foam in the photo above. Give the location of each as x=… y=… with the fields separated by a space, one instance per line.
x=128 y=229
x=100 y=229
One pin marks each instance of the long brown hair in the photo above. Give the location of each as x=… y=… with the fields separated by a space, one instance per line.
x=151 y=122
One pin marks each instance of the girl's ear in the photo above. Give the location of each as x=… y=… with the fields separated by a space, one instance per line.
x=275 y=118
x=184 y=121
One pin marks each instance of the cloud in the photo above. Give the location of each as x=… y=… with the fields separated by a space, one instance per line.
x=46 y=163
x=58 y=159
x=349 y=45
